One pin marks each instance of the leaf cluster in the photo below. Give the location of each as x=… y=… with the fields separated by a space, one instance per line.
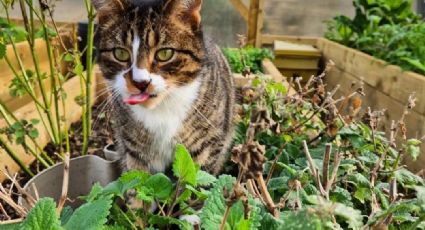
x=386 y=29
x=249 y=56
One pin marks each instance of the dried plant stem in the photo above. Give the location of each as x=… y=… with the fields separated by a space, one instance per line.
x=326 y=161
x=313 y=169
x=266 y=196
x=273 y=167
x=337 y=162
x=225 y=216
x=4 y=212
x=65 y=184
x=21 y=211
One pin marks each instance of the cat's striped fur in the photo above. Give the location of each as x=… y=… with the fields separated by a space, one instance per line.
x=192 y=95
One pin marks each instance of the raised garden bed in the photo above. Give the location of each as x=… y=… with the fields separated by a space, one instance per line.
x=386 y=86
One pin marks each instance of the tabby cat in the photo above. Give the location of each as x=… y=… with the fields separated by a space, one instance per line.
x=169 y=83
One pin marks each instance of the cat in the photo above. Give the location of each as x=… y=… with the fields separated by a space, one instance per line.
x=170 y=84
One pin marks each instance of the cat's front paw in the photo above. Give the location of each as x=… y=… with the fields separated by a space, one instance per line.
x=131 y=200
x=134 y=203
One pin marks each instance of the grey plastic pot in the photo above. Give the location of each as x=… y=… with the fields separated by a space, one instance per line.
x=84 y=172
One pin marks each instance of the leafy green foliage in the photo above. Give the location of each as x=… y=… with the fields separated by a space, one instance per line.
x=42 y=217
x=249 y=56
x=183 y=167
x=386 y=29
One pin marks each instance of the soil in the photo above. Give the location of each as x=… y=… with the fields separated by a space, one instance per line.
x=100 y=137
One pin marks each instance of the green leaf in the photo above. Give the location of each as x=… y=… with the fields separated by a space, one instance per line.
x=2 y=50
x=43 y=216
x=413 y=148
x=163 y=221
x=33 y=133
x=183 y=166
x=215 y=206
x=35 y=121
x=90 y=216
x=204 y=179
x=407 y=178
x=161 y=186
x=66 y=215
x=359 y=179
x=362 y=194
x=352 y=216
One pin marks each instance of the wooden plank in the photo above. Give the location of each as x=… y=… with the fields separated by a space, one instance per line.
x=260 y=23
x=296 y=62
x=270 y=68
x=268 y=39
x=6 y=74
x=241 y=8
x=254 y=10
x=73 y=114
x=285 y=48
x=388 y=79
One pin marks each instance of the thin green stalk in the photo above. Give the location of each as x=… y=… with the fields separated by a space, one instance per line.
x=10 y=119
x=89 y=72
x=30 y=92
x=11 y=153
x=54 y=129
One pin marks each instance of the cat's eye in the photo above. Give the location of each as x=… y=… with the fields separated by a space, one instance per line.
x=121 y=54
x=164 y=55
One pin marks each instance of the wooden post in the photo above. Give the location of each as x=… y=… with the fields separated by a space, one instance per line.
x=241 y=8
x=255 y=22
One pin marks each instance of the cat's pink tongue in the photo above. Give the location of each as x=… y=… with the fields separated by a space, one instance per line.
x=137 y=99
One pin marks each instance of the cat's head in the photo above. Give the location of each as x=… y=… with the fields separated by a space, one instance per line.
x=149 y=48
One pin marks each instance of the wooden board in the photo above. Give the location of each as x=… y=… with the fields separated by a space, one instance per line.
x=289 y=62
x=388 y=79
x=6 y=74
x=72 y=88
x=285 y=48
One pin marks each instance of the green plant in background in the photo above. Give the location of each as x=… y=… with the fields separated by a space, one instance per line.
x=386 y=29
x=249 y=56
x=50 y=101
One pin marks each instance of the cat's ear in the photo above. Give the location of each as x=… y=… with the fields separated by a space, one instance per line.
x=188 y=11
x=108 y=7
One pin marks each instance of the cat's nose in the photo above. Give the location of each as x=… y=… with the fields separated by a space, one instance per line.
x=141 y=85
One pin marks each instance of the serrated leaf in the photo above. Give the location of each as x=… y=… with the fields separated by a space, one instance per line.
x=362 y=194
x=163 y=221
x=183 y=166
x=204 y=179
x=352 y=216
x=215 y=205
x=359 y=180
x=90 y=216
x=407 y=178
x=43 y=216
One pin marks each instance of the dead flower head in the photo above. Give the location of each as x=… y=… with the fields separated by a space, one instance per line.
x=250 y=159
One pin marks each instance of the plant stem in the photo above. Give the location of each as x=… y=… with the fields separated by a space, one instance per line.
x=11 y=153
x=46 y=101
x=89 y=76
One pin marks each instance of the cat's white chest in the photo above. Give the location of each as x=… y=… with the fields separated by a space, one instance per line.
x=165 y=121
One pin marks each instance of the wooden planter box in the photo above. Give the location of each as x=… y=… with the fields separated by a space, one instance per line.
x=6 y=74
x=386 y=86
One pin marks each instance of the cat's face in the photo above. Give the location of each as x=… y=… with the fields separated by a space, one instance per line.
x=149 y=48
